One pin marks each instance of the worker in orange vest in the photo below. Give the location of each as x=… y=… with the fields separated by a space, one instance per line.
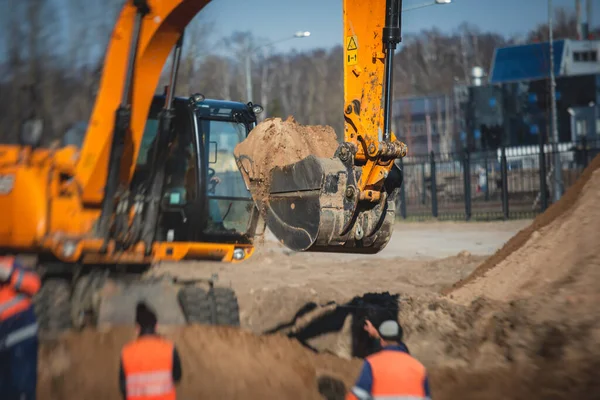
x=391 y=372
x=150 y=365
x=18 y=331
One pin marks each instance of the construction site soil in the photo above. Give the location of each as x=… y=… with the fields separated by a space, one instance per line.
x=276 y=143
x=523 y=324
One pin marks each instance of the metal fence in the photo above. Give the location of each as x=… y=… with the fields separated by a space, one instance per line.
x=505 y=184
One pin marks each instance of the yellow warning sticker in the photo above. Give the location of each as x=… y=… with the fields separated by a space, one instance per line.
x=351 y=43
x=351 y=50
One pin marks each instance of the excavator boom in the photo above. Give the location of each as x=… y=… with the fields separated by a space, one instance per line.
x=162 y=24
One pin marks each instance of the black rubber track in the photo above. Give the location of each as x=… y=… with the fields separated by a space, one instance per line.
x=195 y=305
x=52 y=306
x=227 y=308
x=198 y=306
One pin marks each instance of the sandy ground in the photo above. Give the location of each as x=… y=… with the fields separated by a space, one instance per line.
x=523 y=323
x=420 y=259
x=431 y=240
x=271 y=287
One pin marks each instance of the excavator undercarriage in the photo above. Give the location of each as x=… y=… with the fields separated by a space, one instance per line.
x=103 y=298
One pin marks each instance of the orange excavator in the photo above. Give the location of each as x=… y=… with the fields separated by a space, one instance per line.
x=153 y=179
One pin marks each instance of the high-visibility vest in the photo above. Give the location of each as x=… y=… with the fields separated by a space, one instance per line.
x=148 y=367
x=396 y=376
x=15 y=295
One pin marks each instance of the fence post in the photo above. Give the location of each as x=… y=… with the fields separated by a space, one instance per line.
x=543 y=182
x=467 y=183
x=487 y=176
x=584 y=151
x=504 y=174
x=423 y=185
x=402 y=192
x=434 y=205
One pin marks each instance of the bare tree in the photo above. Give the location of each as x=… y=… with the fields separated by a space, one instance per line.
x=56 y=58
x=564 y=27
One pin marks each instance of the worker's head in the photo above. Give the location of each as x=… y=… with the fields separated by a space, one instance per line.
x=390 y=333
x=145 y=318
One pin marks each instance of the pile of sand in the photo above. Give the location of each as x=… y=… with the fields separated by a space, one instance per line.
x=564 y=206
x=276 y=143
x=557 y=253
x=217 y=363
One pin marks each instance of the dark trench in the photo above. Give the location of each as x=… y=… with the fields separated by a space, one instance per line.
x=376 y=307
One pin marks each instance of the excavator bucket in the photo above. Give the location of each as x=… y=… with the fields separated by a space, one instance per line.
x=314 y=205
x=344 y=202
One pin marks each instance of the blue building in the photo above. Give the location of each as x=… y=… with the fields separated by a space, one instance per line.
x=520 y=76
x=531 y=62
x=513 y=107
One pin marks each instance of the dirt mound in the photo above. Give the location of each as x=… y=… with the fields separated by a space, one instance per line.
x=217 y=362
x=276 y=143
x=560 y=254
x=486 y=350
x=555 y=211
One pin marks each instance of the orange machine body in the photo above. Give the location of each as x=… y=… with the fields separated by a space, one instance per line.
x=41 y=212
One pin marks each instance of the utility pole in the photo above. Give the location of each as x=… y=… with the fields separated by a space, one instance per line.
x=578 y=19
x=554 y=123
x=248 y=75
x=429 y=4
x=250 y=52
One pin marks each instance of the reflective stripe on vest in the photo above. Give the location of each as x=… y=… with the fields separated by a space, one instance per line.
x=12 y=302
x=21 y=334
x=154 y=383
x=20 y=277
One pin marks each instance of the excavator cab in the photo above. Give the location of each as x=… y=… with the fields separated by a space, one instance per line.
x=204 y=197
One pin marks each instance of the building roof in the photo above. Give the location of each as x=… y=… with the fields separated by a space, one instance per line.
x=526 y=62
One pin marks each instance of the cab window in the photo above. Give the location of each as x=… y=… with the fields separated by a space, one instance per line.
x=229 y=201
x=181 y=173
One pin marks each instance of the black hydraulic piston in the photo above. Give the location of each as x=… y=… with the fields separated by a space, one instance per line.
x=160 y=154
x=121 y=127
x=391 y=37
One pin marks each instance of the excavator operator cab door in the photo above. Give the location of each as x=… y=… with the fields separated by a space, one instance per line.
x=180 y=200
x=231 y=215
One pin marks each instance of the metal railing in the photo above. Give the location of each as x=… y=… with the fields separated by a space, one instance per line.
x=510 y=183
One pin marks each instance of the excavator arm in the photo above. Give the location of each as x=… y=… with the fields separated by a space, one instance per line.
x=347 y=203
x=342 y=204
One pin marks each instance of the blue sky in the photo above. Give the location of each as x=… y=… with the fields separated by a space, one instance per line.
x=273 y=20
x=277 y=19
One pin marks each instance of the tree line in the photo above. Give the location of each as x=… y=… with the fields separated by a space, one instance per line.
x=51 y=54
